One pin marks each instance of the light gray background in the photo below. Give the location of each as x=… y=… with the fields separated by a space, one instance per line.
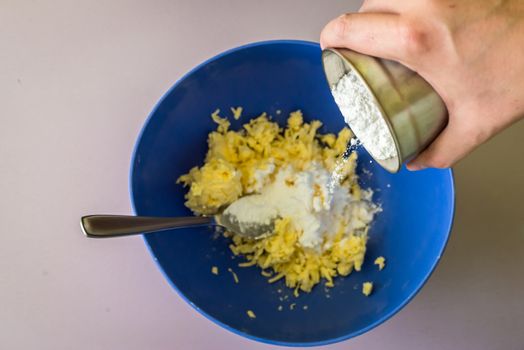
x=77 y=80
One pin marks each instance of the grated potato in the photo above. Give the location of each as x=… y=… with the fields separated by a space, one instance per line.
x=380 y=262
x=230 y=171
x=367 y=288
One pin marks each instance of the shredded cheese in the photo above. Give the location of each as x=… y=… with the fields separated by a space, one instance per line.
x=235 y=277
x=245 y=161
x=367 y=288
x=237 y=112
x=380 y=262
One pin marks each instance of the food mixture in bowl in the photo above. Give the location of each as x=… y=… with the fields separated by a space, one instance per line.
x=307 y=178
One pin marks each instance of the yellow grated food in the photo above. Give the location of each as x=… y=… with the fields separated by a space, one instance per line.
x=266 y=273
x=235 y=277
x=237 y=112
x=367 y=288
x=229 y=171
x=251 y=314
x=380 y=262
x=214 y=270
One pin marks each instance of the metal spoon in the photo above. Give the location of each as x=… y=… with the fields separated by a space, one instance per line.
x=102 y=226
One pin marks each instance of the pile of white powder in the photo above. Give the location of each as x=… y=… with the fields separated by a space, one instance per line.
x=315 y=204
x=363 y=116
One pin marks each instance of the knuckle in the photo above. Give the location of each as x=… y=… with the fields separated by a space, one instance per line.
x=414 y=39
x=341 y=26
x=336 y=30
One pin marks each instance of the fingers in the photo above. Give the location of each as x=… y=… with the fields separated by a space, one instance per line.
x=385 y=35
x=453 y=144
x=374 y=34
x=381 y=6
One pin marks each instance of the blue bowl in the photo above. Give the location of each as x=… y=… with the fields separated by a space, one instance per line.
x=411 y=232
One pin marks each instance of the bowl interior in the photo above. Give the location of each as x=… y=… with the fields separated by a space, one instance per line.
x=411 y=232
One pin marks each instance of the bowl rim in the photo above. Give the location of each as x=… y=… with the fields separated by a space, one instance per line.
x=270 y=341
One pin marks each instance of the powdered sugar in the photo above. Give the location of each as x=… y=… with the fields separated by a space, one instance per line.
x=315 y=204
x=363 y=116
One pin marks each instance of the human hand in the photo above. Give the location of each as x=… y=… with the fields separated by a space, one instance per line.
x=470 y=51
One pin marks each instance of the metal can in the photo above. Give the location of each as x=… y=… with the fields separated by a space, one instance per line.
x=413 y=111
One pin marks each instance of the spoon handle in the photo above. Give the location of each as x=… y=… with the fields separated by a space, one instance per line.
x=102 y=226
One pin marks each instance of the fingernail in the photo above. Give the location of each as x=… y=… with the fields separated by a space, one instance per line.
x=415 y=167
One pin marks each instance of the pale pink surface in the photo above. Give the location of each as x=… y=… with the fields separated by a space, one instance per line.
x=77 y=80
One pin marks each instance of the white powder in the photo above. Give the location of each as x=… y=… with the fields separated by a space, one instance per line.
x=261 y=177
x=363 y=116
x=315 y=205
x=252 y=209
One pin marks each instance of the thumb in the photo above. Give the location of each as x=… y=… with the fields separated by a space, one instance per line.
x=375 y=34
x=453 y=144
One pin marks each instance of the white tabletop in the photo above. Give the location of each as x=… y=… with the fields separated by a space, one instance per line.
x=77 y=80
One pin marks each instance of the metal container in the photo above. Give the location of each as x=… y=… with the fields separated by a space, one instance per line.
x=413 y=111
